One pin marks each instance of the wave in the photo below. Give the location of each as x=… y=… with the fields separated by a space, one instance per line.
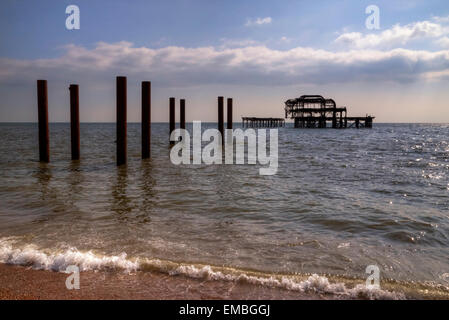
x=45 y=259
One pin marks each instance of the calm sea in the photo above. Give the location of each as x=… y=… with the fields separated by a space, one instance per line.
x=340 y=201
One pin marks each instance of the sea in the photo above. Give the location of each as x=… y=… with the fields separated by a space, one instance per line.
x=342 y=200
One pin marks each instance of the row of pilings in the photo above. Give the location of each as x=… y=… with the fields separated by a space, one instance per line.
x=121 y=119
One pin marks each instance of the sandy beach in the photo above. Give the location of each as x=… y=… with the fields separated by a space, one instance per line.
x=17 y=282
x=25 y=283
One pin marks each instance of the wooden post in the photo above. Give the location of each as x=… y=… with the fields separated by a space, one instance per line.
x=42 y=108
x=229 y=120
x=182 y=113
x=146 y=119
x=121 y=120
x=220 y=117
x=75 y=121
x=172 y=118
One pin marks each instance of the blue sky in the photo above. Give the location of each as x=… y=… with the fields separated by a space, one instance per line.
x=259 y=52
x=36 y=29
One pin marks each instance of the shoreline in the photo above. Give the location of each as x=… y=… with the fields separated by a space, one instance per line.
x=25 y=283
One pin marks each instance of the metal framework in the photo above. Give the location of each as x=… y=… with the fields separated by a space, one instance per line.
x=314 y=111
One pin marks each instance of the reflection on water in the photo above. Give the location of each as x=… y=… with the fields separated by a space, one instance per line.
x=147 y=185
x=341 y=200
x=43 y=178
x=120 y=202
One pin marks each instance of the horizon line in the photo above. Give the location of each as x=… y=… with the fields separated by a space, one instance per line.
x=137 y=122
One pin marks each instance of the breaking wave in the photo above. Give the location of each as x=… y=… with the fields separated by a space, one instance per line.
x=32 y=256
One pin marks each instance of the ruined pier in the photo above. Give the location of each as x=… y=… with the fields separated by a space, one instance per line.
x=315 y=111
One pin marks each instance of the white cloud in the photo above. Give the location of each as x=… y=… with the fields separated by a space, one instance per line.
x=233 y=43
x=258 y=21
x=252 y=65
x=441 y=19
x=443 y=42
x=395 y=36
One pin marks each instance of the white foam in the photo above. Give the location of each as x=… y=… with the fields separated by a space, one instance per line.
x=314 y=283
x=31 y=255
x=343 y=245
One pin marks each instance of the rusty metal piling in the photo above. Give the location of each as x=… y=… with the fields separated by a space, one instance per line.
x=172 y=117
x=182 y=113
x=220 y=117
x=146 y=119
x=74 y=121
x=42 y=106
x=229 y=114
x=121 y=120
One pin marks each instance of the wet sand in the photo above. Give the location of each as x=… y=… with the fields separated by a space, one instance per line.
x=17 y=282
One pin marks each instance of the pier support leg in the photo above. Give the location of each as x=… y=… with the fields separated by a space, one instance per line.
x=42 y=106
x=220 y=117
x=146 y=119
x=121 y=120
x=334 y=119
x=341 y=119
x=74 y=121
x=172 y=118
x=182 y=113
x=368 y=122
x=229 y=113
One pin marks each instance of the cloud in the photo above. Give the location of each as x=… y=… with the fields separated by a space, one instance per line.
x=437 y=75
x=397 y=35
x=258 y=21
x=441 y=19
x=234 y=43
x=252 y=65
x=443 y=42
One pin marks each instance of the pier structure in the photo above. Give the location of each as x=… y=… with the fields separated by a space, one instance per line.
x=308 y=111
x=253 y=122
x=121 y=119
x=315 y=111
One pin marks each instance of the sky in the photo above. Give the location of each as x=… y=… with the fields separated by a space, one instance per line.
x=260 y=53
